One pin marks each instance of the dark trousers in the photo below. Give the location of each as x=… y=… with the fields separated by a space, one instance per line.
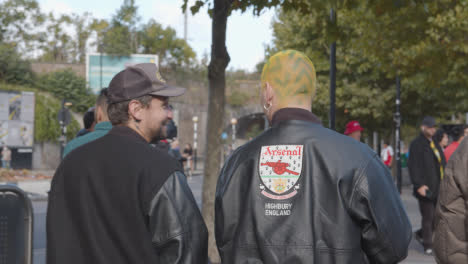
x=427 y=209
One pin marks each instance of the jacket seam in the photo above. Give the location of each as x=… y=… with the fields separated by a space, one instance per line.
x=170 y=198
x=383 y=223
x=362 y=169
x=154 y=190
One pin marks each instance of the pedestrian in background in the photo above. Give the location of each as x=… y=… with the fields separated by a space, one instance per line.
x=188 y=154
x=354 y=130
x=451 y=217
x=302 y=193
x=387 y=154
x=426 y=166
x=102 y=127
x=174 y=151
x=441 y=138
x=117 y=199
x=88 y=123
x=6 y=157
x=458 y=134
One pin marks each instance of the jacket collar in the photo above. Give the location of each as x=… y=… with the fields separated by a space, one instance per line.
x=425 y=138
x=285 y=114
x=124 y=131
x=106 y=125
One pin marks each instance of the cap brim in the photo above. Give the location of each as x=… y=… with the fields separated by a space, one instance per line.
x=170 y=91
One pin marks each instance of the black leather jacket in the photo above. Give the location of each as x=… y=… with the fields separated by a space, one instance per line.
x=334 y=203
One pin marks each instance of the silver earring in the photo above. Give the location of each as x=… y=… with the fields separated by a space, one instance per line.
x=267 y=108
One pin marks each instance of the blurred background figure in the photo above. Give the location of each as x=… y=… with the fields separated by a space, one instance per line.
x=354 y=129
x=441 y=138
x=102 y=124
x=88 y=123
x=174 y=151
x=387 y=154
x=6 y=157
x=458 y=134
x=187 y=154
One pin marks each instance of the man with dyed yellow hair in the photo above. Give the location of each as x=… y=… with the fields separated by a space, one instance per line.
x=301 y=193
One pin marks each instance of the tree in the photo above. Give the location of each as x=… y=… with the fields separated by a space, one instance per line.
x=220 y=11
x=13 y=69
x=121 y=37
x=171 y=51
x=19 y=20
x=56 y=42
x=377 y=43
x=83 y=30
x=67 y=85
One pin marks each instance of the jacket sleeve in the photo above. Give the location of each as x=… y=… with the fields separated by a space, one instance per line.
x=375 y=204
x=179 y=234
x=415 y=165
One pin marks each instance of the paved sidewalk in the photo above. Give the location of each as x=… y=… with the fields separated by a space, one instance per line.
x=415 y=251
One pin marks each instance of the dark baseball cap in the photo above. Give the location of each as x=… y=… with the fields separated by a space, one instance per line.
x=429 y=121
x=138 y=80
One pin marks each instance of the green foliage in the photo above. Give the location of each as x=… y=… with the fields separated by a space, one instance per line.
x=155 y=39
x=67 y=85
x=13 y=69
x=238 y=99
x=422 y=43
x=117 y=41
x=57 y=44
x=46 y=125
x=120 y=37
x=19 y=20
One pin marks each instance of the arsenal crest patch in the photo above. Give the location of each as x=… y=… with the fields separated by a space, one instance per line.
x=280 y=167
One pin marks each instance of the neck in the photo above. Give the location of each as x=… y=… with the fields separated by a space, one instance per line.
x=137 y=127
x=104 y=119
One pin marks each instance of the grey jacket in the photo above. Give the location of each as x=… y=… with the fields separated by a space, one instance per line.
x=451 y=220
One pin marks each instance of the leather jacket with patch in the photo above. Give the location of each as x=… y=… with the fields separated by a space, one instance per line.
x=301 y=193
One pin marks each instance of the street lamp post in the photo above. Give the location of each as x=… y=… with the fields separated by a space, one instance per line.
x=64 y=118
x=332 y=76
x=195 y=136
x=233 y=123
x=397 y=120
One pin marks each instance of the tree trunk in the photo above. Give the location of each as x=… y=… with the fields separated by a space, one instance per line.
x=217 y=86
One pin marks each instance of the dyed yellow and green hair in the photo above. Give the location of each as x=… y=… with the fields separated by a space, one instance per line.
x=292 y=76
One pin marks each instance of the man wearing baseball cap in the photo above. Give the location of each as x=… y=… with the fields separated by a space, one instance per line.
x=119 y=200
x=426 y=167
x=354 y=129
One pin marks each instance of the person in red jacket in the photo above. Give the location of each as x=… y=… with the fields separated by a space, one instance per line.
x=387 y=155
x=458 y=136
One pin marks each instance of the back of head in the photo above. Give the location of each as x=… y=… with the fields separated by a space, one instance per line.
x=88 y=119
x=292 y=76
x=457 y=132
x=439 y=135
